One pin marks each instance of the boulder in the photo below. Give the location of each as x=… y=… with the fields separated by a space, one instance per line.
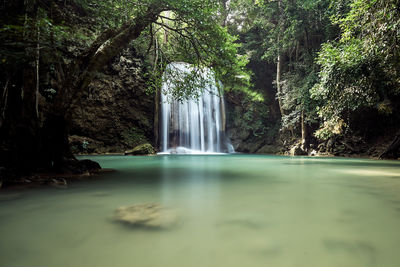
x=147 y=215
x=268 y=149
x=73 y=166
x=143 y=149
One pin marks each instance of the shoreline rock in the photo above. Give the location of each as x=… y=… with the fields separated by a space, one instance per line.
x=143 y=149
x=57 y=180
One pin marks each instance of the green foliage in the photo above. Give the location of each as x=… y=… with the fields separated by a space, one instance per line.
x=255 y=117
x=346 y=79
x=194 y=36
x=295 y=96
x=286 y=24
x=294 y=30
x=186 y=85
x=330 y=128
x=358 y=65
x=362 y=68
x=190 y=32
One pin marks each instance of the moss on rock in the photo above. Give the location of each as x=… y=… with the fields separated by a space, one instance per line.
x=143 y=149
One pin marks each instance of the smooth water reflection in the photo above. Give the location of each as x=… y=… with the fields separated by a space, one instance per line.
x=238 y=210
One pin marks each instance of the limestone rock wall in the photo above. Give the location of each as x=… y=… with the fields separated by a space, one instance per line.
x=118 y=113
x=249 y=125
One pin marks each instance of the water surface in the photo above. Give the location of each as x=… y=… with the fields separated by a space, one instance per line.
x=239 y=210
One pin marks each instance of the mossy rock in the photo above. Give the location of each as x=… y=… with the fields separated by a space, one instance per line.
x=143 y=149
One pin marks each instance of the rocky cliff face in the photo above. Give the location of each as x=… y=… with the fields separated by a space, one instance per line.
x=249 y=125
x=118 y=113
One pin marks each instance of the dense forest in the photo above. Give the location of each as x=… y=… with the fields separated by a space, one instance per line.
x=299 y=76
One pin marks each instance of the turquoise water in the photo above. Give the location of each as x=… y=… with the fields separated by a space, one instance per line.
x=240 y=210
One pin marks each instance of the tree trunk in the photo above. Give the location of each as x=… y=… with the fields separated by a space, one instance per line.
x=37 y=62
x=393 y=150
x=224 y=13
x=83 y=71
x=25 y=145
x=223 y=114
x=305 y=143
x=106 y=46
x=279 y=62
x=157 y=100
x=278 y=84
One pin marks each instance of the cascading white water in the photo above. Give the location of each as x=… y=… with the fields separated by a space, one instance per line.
x=194 y=125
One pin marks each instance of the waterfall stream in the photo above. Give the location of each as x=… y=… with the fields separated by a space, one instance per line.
x=192 y=126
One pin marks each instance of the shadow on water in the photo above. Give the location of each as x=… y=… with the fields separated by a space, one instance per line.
x=174 y=175
x=101 y=194
x=144 y=228
x=348 y=216
x=268 y=252
x=242 y=223
x=361 y=249
x=342 y=162
x=5 y=197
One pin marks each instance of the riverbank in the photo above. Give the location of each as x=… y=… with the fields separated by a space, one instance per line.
x=57 y=180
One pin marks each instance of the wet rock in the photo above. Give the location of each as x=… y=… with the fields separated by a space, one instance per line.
x=148 y=215
x=90 y=165
x=143 y=149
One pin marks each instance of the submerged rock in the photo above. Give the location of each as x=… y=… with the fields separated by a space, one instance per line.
x=143 y=149
x=148 y=215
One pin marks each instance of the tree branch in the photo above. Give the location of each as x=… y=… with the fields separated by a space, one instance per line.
x=104 y=48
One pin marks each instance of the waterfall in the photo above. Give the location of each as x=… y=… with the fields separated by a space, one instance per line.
x=192 y=125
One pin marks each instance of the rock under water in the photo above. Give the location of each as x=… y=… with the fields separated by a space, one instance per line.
x=147 y=215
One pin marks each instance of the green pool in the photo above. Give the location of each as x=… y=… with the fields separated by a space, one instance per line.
x=234 y=210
